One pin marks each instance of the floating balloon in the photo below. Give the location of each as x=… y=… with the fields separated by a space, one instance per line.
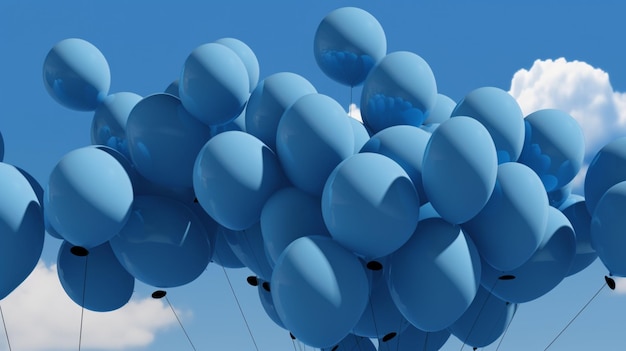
x=265 y=295
x=361 y=135
x=575 y=210
x=607 y=229
x=434 y=277
x=108 y=126
x=413 y=339
x=94 y=279
x=369 y=205
x=352 y=343
x=459 y=169
x=441 y=111
x=510 y=227
x=348 y=43
x=246 y=55
x=312 y=138
x=76 y=74
x=89 y=197
x=234 y=175
x=401 y=89
x=214 y=84
x=223 y=254
x=554 y=147
x=248 y=246
x=163 y=244
x=332 y=282
x=607 y=168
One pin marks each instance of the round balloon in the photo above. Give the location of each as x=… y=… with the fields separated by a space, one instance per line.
x=76 y=74
x=248 y=246
x=607 y=168
x=575 y=210
x=352 y=343
x=108 y=126
x=247 y=56
x=401 y=89
x=265 y=295
x=607 y=229
x=413 y=339
x=441 y=111
x=459 y=169
x=369 y=205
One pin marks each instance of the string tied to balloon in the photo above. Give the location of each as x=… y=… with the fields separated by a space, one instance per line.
x=159 y=294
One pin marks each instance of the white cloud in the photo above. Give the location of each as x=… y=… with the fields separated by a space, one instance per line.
x=355 y=112
x=620 y=285
x=40 y=316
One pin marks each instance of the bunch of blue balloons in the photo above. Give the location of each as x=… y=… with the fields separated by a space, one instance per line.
x=430 y=218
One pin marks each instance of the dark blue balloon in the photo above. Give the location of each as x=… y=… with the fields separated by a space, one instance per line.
x=441 y=111
x=575 y=210
x=108 y=126
x=97 y=281
x=607 y=229
x=413 y=339
x=352 y=343
x=248 y=246
x=265 y=295
x=607 y=168
x=246 y=55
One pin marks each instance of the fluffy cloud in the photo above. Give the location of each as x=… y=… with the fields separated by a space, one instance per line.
x=40 y=316
x=355 y=112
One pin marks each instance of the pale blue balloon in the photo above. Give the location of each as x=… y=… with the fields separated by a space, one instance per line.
x=348 y=43
x=319 y=289
x=108 y=126
x=164 y=139
x=441 y=111
x=265 y=295
x=249 y=247
x=361 y=135
x=459 y=169
x=21 y=229
x=401 y=89
x=575 y=210
x=97 y=282
x=543 y=271
x=413 y=339
x=554 y=147
x=246 y=55
x=89 y=197
x=607 y=229
x=500 y=113
x=76 y=74
x=405 y=145
x=312 y=138
x=234 y=175
x=164 y=244
x=370 y=205
x=510 y=227
x=607 y=168
x=434 y=277
x=269 y=100
x=214 y=84
x=352 y=343
x=223 y=254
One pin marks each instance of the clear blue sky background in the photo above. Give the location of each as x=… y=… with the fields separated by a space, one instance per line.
x=468 y=45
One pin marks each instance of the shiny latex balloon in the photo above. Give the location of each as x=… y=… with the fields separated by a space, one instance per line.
x=319 y=290
x=405 y=145
x=108 y=126
x=246 y=55
x=459 y=169
x=268 y=102
x=89 y=197
x=369 y=205
x=164 y=244
x=223 y=254
x=543 y=271
x=484 y=321
x=248 y=246
x=554 y=147
x=234 y=175
x=434 y=277
x=361 y=135
x=312 y=138
x=76 y=74
x=214 y=84
x=413 y=339
x=348 y=43
x=401 y=89
x=500 y=113
x=172 y=89
x=607 y=168
x=164 y=139
x=265 y=295
x=607 y=229
x=96 y=281
x=510 y=227
x=21 y=229
x=575 y=210
x=352 y=343
x=441 y=111
x=288 y=215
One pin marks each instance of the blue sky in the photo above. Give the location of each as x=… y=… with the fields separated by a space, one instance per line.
x=467 y=44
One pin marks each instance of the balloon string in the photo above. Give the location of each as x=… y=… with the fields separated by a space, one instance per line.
x=294 y=345
x=180 y=323
x=258 y=263
x=493 y=286
x=240 y=309
x=576 y=316
x=82 y=305
x=373 y=316
x=502 y=314
x=425 y=341
x=507 y=328
x=6 y=332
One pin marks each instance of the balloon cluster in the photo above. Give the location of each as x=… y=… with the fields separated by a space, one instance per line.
x=430 y=218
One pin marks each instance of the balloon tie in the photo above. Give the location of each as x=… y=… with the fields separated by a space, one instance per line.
x=373 y=316
x=240 y=309
x=576 y=316
x=6 y=332
x=179 y=322
x=82 y=305
x=493 y=286
x=507 y=328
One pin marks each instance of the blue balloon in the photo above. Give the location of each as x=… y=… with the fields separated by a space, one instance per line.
x=607 y=168
x=1 y=148
x=288 y=215
x=223 y=254
x=369 y=205
x=76 y=74
x=361 y=135
x=108 y=126
x=575 y=210
x=214 y=84
x=441 y=111
x=405 y=145
x=248 y=246
x=401 y=89
x=543 y=271
x=484 y=321
x=265 y=295
x=268 y=102
x=554 y=147
x=164 y=244
x=312 y=138
x=498 y=111
x=234 y=175
x=97 y=281
x=246 y=55
x=557 y=197
x=21 y=229
x=607 y=229
x=459 y=169
x=352 y=343
x=510 y=227
x=172 y=89
x=89 y=197
x=413 y=339
x=434 y=277
x=348 y=43
x=319 y=290
x=164 y=140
